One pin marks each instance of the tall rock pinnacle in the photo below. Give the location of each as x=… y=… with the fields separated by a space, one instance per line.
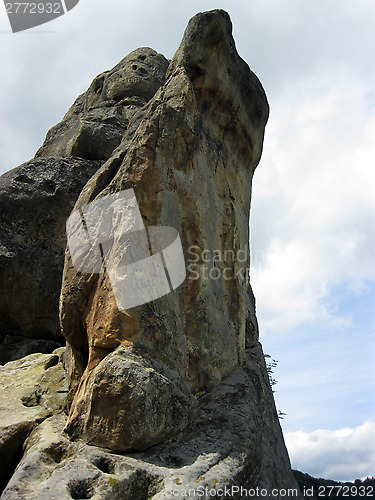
x=189 y=155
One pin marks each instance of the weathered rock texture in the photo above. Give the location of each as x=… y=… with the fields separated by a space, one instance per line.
x=97 y=121
x=35 y=201
x=235 y=441
x=180 y=383
x=37 y=198
x=31 y=389
x=189 y=155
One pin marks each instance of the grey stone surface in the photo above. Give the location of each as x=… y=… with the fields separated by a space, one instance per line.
x=31 y=389
x=37 y=197
x=231 y=444
x=127 y=390
x=93 y=127
x=35 y=200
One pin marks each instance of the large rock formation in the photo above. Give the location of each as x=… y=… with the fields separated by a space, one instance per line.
x=178 y=383
x=35 y=201
x=95 y=124
x=37 y=198
x=235 y=443
x=189 y=156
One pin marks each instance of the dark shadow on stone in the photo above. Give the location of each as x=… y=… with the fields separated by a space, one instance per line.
x=14 y=348
x=105 y=464
x=12 y=452
x=81 y=489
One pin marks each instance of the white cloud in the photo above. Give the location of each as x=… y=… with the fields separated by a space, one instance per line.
x=313 y=202
x=343 y=455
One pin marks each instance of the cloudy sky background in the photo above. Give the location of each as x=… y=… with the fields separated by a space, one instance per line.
x=313 y=209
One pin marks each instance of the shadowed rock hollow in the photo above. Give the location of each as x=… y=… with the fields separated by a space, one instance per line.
x=179 y=383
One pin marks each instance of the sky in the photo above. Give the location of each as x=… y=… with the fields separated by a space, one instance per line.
x=313 y=204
